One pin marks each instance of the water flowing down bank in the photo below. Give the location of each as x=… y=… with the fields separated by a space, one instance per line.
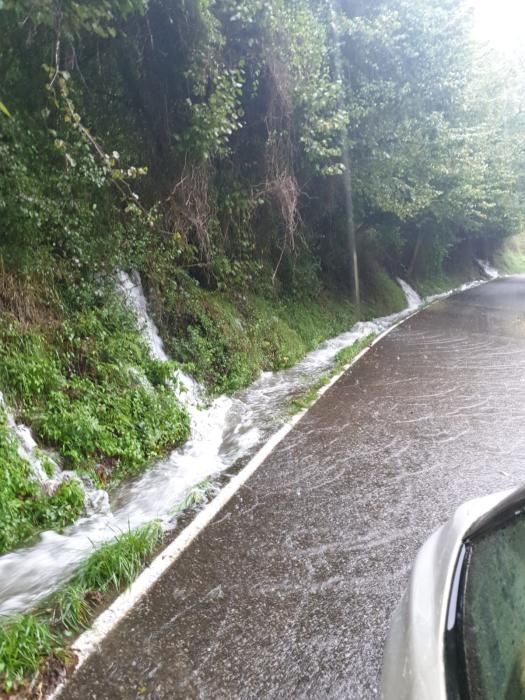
x=413 y=299
x=222 y=432
x=45 y=469
x=487 y=269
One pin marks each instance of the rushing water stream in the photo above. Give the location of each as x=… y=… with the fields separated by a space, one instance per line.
x=228 y=429
x=487 y=269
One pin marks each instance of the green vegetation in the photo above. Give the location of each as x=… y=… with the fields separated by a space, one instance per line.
x=24 y=509
x=343 y=358
x=117 y=564
x=223 y=152
x=228 y=341
x=82 y=378
x=195 y=497
x=511 y=256
x=24 y=642
x=453 y=273
x=216 y=162
x=112 y=567
x=444 y=282
x=86 y=384
x=347 y=355
x=27 y=641
x=305 y=399
x=225 y=340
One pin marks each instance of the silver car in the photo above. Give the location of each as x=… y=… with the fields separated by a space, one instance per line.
x=459 y=631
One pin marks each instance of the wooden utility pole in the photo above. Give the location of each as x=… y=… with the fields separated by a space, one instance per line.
x=347 y=179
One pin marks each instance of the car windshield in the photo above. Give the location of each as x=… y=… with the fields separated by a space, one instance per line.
x=490 y=630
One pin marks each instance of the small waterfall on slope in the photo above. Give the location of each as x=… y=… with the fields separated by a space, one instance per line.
x=487 y=269
x=131 y=288
x=414 y=301
x=228 y=429
x=27 y=447
x=135 y=299
x=95 y=499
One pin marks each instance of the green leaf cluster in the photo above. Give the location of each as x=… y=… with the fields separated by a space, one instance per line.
x=25 y=510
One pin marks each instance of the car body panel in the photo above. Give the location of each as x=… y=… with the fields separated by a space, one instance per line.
x=413 y=662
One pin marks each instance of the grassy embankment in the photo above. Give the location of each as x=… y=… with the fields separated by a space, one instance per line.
x=446 y=280
x=510 y=258
x=34 y=646
x=225 y=340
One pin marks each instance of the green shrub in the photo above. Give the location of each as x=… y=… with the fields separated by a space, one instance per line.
x=28 y=369
x=24 y=642
x=24 y=509
x=62 y=508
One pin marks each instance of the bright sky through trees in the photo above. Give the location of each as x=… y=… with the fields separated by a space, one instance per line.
x=502 y=22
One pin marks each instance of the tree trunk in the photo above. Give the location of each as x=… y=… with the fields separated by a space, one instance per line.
x=354 y=265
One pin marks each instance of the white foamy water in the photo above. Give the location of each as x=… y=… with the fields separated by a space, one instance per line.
x=487 y=269
x=226 y=430
x=27 y=447
x=131 y=288
x=28 y=450
x=135 y=299
x=412 y=297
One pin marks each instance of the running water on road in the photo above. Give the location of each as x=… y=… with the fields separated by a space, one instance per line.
x=228 y=429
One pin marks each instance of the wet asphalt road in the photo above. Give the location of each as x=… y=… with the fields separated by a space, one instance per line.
x=288 y=592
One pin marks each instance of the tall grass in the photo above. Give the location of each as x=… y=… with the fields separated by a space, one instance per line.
x=197 y=495
x=26 y=640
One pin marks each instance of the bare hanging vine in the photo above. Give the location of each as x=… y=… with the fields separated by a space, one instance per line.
x=281 y=184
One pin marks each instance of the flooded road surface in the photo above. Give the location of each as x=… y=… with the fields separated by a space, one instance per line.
x=289 y=591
